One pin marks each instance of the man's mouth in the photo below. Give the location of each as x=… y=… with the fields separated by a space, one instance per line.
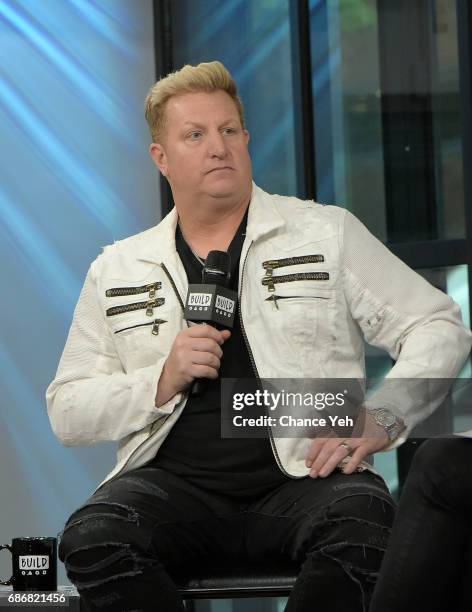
x=219 y=168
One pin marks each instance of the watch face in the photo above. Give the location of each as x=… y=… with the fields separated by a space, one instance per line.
x=385 y=418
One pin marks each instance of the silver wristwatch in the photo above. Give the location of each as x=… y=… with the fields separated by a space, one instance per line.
x=392 y=424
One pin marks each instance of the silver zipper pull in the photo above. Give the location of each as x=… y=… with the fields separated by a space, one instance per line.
x=150 y=308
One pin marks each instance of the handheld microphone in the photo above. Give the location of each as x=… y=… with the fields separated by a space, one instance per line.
x=217 y=268
x=211 y=301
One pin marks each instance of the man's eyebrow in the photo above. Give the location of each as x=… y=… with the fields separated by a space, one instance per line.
x=199 y=125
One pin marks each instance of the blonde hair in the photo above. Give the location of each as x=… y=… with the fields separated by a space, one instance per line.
x=207 y=77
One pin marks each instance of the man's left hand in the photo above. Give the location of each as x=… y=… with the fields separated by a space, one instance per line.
x=325 y=454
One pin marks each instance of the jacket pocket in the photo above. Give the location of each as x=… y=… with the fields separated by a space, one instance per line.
x=141 y=343
x=274 y=298
x=301 y=316
x=154 y=329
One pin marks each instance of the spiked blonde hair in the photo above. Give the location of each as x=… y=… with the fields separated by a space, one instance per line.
x=207 y=77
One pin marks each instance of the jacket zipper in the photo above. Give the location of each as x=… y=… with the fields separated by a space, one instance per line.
x=254 y=367
x=274 y=298
x=120 y=291
x=171 y=280
x=174 y=287
x=155 y=326
x=272 y=264
x=271 y=281
x=149 y=305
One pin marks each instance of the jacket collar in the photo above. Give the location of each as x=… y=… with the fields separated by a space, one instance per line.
x=158 y=243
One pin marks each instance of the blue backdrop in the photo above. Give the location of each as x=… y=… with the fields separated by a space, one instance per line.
x=74 y=176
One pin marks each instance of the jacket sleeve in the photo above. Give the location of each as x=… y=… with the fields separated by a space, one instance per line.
x=91 y=398
x=401 y=313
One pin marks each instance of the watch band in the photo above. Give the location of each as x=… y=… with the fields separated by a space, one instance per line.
x=392 y=424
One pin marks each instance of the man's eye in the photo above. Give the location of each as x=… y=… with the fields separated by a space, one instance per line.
x=229 y=130
x=194 y=135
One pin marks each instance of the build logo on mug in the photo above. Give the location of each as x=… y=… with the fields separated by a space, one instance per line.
x=34 y=564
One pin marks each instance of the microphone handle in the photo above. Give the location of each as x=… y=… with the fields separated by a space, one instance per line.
x=199 y=386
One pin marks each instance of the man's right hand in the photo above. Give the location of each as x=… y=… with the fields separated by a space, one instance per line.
x=195 y=353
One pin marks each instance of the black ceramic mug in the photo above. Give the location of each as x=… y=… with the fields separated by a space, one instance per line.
x=34 y=563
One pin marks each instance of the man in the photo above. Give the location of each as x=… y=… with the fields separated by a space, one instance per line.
x=180 y=494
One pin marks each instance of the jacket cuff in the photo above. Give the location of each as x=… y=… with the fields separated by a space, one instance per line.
x=169 y=406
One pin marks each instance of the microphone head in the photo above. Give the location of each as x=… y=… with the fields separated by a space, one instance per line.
x=217 y=268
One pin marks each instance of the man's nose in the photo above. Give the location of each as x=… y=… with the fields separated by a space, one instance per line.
x=217 y=145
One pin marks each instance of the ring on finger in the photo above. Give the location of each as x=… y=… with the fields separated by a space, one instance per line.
x=347 y=447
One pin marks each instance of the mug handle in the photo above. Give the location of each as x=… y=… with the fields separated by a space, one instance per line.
x=6 y=582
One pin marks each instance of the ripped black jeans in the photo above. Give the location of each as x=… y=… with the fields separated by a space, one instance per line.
x=121 y=545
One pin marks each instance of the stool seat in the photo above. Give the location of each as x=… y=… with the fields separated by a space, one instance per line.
x=261 y=578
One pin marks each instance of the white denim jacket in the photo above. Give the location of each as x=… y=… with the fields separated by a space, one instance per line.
x=105 y=386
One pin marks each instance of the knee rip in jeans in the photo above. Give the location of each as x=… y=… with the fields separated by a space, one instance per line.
x=341 y=513
x=124 y=560
x=377 y=531
x=94 y=519
x=340 y=528
x=385 y=502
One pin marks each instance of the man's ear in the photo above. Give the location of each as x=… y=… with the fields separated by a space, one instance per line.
x=246 y=134
x=159 y=157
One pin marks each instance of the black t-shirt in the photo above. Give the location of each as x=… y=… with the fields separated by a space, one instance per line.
x=194 y=448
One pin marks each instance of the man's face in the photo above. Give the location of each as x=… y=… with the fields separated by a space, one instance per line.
x=203 y=150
